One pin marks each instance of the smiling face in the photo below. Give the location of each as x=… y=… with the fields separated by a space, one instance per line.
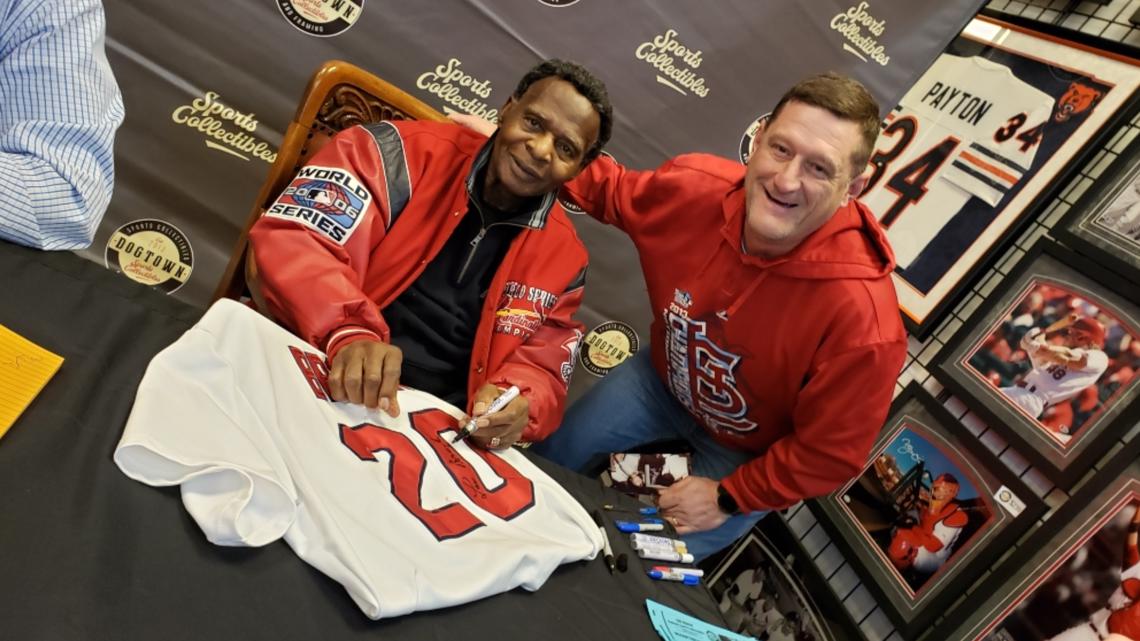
x=799 y=173
x=543 y=139
x=944 y=488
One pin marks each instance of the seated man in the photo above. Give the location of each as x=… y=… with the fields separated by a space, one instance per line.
x=424 y=254
x=776 y=339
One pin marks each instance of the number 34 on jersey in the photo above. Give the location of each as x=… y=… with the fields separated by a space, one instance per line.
x=968 y=128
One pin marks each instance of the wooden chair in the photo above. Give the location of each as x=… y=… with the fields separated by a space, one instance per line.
x=339 y=96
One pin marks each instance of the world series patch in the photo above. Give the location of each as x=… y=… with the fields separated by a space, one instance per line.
x=328 y=200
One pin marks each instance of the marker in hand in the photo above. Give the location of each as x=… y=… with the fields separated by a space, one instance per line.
x=499 y=403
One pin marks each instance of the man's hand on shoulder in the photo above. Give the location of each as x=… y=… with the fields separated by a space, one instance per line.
x=690 y=505
x=503 y=428
x=475 y=123
x=367 y=372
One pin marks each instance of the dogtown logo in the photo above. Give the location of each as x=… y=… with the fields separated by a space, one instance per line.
x=607 y=346
x=208 y=115
x=659 y=53
x=850 y=25
x=522 y=309
x=152 y=252
x=749 y=137
x=708 y=388
x=322 y=18
x=327 y=199
x=450 y=83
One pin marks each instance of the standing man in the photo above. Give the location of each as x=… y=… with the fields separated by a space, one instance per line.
x=776 y=338
x=426 y=255
x=59 y=109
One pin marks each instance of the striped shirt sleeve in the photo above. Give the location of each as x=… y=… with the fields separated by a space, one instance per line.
x=59 y=109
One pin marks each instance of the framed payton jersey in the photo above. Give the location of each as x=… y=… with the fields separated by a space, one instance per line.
x=991 y=129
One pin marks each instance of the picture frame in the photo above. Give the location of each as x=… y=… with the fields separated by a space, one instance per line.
x=767 y=581
x=1063 y=581
x=1060 y=415
x=950 y=210
x=931 y=510
x=1104 y=223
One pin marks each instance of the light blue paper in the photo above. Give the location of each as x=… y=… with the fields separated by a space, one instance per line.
x=673 y=625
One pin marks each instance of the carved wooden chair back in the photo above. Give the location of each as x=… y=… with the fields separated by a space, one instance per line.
x=339 y=95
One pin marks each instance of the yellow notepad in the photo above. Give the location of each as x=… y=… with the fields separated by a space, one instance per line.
x=24 y=370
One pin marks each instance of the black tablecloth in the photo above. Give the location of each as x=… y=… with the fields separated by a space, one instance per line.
x=86 y=553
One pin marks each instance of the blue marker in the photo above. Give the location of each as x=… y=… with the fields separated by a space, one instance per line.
x=647 y=511
x=680 y=577
x=628 y=526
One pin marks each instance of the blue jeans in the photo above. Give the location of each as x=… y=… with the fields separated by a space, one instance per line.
x=631 y=407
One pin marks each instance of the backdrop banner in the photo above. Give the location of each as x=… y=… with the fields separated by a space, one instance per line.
x=210 y=87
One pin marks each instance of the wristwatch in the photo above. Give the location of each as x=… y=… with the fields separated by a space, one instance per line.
x=725 y=502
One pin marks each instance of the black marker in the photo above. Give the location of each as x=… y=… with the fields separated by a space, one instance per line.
x=607 y=551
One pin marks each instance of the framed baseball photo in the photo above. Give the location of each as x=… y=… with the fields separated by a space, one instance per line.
x=995 y=127
x=930 y=511
x=767 y=587
x=1050 y=360
x=1105 y=223
x=1077 y=578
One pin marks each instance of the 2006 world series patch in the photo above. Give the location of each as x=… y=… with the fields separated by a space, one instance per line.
x=329 y=200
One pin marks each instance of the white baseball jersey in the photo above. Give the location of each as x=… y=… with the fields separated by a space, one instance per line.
x=929 y=562
x=967 y=128
x=1048 y=383
x=236 y=412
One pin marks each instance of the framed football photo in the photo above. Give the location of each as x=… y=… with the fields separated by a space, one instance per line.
x=1105 y=223
x=1050 y=360
x=767 y=587
x=930 y=511
x=1077 y=578
x=994 y=127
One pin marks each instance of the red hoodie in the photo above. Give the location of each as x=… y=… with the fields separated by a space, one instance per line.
x=793 y=358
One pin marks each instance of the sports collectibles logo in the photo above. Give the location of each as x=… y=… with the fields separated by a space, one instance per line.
x=323 y=18
x=607 y=346
x=522 y=309
x=459 y=90
x=329 y=200
x=702 y=374
x=851 y=23
x=749 y=138
x=209 y=116
x=152 y=252
x=674 y=63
